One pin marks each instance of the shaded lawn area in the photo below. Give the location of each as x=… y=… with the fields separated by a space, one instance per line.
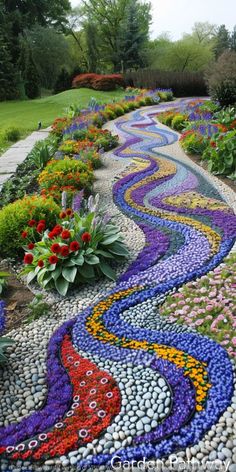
x=26 y=114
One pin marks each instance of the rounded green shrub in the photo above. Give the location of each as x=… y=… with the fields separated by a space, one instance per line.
x=12 y=135
x=15 y=216
x=110 y=113
x=178 y=122
x=119 y=111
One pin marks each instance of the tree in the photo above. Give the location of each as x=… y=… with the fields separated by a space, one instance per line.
x=204 y=32
x=134 y=37
x=31 y=77
x=50 y=52
x=221 y=79
x=92 y=49
x=187 y=55
x=158 y=50
x=63 y=81
x=8 y=89
x=109 y=17
x=222 y=41
x=233 y=40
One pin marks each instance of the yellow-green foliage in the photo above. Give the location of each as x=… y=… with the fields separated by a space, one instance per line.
x=15 y=216
x=178 y=122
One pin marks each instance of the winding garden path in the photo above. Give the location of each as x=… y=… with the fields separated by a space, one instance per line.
x=119 y=382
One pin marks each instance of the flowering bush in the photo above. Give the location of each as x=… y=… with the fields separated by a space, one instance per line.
x=65 y=175
x=88 y=137
x=221 y=154
x=15 y=216
x=208 y=305
x=166 y=117
x=99 y=82
x=193 y=142
x=78 y=249
x=59 y=125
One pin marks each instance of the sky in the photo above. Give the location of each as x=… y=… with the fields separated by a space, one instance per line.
x=179 y=16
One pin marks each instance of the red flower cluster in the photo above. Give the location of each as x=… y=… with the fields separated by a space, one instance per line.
x=65 y=234
x=86 y=237
x=53 y=259
x=28 y=259
x=65 y=251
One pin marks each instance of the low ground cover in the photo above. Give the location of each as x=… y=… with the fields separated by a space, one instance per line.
x=208 y=305
x=207 y=131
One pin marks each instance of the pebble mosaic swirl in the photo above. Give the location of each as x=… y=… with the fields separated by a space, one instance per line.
x=128 y=387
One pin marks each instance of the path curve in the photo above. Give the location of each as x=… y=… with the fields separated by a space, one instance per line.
x=101 y=362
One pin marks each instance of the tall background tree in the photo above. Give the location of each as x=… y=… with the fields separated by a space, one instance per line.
x=110 y=21
x=17 y=17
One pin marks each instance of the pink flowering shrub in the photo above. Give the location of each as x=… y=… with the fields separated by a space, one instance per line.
x=208 y=305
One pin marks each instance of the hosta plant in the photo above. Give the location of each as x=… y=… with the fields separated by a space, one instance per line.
x=81 y=247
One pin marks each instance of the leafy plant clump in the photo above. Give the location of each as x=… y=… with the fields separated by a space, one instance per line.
x=4 y=341
x=221 y=154
x=15 y=216
x=12 y=134
x=193 y=142
x=37 y=308
x=3 y=281
x=81 y=247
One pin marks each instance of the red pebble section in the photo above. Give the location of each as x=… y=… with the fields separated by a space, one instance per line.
x=96 y=400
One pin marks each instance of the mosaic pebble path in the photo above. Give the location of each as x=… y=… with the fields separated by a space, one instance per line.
x=150 y=392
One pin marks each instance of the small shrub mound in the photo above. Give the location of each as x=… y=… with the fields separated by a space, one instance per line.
x=193 y=142
x=65 y=176
x=15 y=216
x=12 y=135
x=178 y=122
x=99 y=82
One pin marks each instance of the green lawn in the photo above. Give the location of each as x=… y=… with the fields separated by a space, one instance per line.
x=26 y=114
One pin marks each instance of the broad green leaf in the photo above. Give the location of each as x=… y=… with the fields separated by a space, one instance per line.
x=56 y=273
x=41 y=275
x=87 y=271
x=104 y=254
x=107 y=270
x=92 y=259
x=31 y=276
x=69 y=273
x=62 y=286
x=111 y=239
x=118 y=249
x=79 y=260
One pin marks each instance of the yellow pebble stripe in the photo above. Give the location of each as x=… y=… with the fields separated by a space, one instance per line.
x=165 y=169
x=193 y=368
